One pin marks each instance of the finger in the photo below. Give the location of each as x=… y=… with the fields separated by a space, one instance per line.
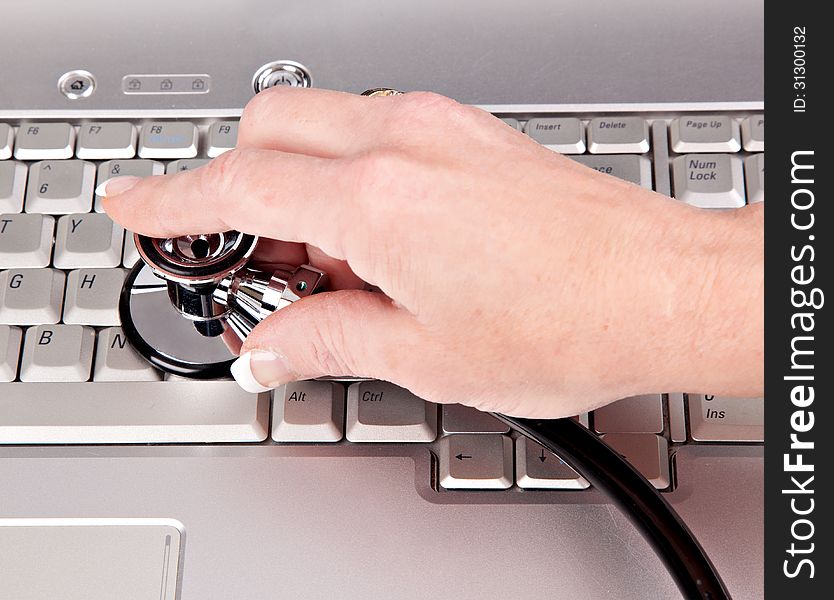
x=289 y=197
x=345 y=333
x=341 y=275
x=271 y=253
x=232 y=341
x=314 y=121
x=276 y=252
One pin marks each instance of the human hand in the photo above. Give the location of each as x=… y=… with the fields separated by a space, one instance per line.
x=515 y=280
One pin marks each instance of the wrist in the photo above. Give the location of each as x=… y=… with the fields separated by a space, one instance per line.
x=711 y=338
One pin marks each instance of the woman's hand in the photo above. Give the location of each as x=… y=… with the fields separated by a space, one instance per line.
x=514 y=279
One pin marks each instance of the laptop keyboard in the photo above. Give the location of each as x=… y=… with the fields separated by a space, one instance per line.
x=69 y=376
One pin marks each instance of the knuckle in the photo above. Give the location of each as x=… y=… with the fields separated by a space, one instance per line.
x=377 y=170
x=416 y=114
x=261 y=105
x=218 y=174
x=428 y=109
x=427 y=101
x=217 y=178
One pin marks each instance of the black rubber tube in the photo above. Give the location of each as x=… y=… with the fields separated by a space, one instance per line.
x=606 y=470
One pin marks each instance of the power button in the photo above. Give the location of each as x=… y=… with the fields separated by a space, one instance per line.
x=281 y=73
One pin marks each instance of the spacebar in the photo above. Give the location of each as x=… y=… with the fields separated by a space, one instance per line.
x=131 y=412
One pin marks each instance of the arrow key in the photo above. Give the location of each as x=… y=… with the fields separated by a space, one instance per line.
x=476 y=462
x=536 y=468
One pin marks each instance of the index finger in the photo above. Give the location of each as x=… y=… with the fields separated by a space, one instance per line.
x=289 y=197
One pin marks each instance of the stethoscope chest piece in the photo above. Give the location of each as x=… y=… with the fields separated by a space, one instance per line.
x=187 y=306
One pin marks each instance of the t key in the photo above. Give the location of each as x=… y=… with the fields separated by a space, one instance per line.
x=25 y=240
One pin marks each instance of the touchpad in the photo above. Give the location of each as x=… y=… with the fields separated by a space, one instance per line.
x=90 y=559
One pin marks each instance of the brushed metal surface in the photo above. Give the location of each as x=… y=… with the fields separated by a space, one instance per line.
x=281 y=521
x=487 y=52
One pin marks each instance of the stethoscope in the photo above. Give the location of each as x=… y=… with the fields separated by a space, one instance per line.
x=190 y=301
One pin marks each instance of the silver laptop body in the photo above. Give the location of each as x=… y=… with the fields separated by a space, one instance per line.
x=87 y=504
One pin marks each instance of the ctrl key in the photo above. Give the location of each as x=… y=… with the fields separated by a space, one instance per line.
x=476 y=462
x=381 y=412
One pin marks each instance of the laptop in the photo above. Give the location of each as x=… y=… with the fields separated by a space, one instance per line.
x=117 y=481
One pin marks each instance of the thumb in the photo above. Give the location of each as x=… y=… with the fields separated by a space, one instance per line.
x=342 y=333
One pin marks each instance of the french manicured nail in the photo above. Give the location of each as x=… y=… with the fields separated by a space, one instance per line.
x=260 y=371
x=116 y=185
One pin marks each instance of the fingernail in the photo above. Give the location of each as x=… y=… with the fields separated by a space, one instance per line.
x=116 y=185
x=260 y=371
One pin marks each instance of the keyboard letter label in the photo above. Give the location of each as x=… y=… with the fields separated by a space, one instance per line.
x=712 y=413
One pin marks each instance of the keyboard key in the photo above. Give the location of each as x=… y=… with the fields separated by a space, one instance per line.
x=131 y=253
x=97 y=141
x=511 y=122
x=168 y=139
x=565 y=135
x=57 y=353
x=31 y=296
x=131 y=412
x=638 y=414
x=222 y=137
x=754 y=174
x=465 y=419
x=614 y=135
x=60 y=187
x=9 y=352
x=41 y=141
x=636 y=169
x=92 y=296
x=6 y=141
x=116 y=360
x=88 y=240
x=648 y=453
x=381 y=412
x=704 y=134
x=118 y=168
x=308 y=411
x=677 y=418
x=537 y=468
x=752 y=133
x=185 y=164
x=476 y=462
x=722 y=419
x=25 y=240
x=709 y=180
x=12 y=185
